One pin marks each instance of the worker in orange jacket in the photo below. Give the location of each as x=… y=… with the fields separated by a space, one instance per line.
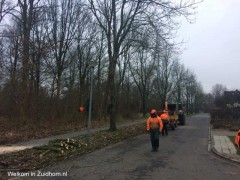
x=166 y=120
x=237 y=139
x=154 y=126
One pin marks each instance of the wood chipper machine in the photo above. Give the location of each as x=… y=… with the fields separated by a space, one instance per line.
x=176 y=113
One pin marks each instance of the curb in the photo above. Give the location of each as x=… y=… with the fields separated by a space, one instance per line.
x=212 y=149
x=223 y=155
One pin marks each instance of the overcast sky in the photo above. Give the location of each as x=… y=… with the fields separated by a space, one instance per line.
x=213 y=44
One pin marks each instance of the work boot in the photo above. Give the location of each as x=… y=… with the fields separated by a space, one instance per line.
x=154 y=150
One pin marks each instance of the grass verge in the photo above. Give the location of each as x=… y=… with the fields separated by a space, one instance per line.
x=232 y=138
x=59 y=150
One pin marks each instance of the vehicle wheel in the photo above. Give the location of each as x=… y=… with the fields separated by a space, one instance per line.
x=184 y=121
x=172 y=127
x=175 y=124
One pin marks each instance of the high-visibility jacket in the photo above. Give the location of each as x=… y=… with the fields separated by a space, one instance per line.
x=154 y=123
x=165 y=116
x=237 y=139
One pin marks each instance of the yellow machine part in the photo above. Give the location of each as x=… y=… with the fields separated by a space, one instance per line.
x=174 y=117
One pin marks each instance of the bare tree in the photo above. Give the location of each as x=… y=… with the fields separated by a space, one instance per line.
x=26 y=19
x=178 y=82
x=86 y=45
x=189 y=89
x=118 y=19
x=116 y=30
x=45 y=57
x=199 y=98
x=61 y=29
x=10 y=61
x=218 y=90
x=165 y=69
x=218 y=94
x=6 y=7
x=143 y=67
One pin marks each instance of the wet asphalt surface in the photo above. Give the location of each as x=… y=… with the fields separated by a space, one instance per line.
x=183 y=155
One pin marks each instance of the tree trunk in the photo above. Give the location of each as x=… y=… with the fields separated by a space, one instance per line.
x=27 y=21
x=144 y=111
x=112 y=93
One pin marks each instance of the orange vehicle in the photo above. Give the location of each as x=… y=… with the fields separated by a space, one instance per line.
x=237 y=139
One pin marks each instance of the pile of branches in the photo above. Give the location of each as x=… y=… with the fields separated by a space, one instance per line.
x=59 y=146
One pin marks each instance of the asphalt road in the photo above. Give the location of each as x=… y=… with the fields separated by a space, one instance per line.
x=183 y=155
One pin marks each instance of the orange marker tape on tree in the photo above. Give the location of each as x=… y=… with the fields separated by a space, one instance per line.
x=81 y=108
